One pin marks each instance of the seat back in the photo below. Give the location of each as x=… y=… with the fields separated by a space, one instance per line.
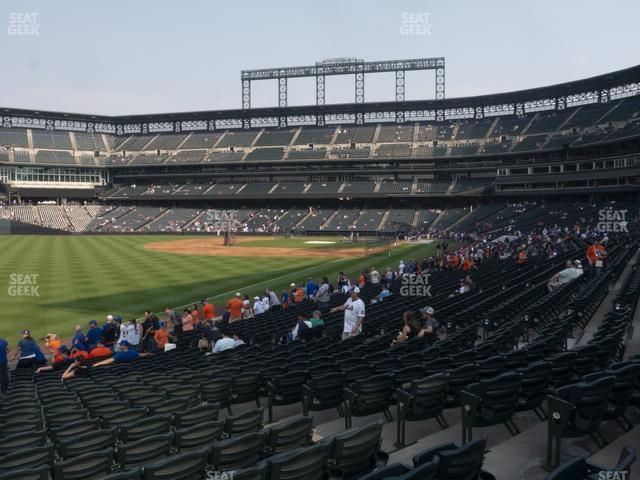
x=245 y=387
x=535 y=381
x=120 y=419
x=31 y=457
x=36 y=473
x=19 y=441
x=249 y=421
x=198 y=436
x=462 y=463
x=89 y=465
x=288 y=435
x=241 y=451
x=576 y=468
x=143 y=451
x=87 y=442
x=373 y=394
x=429 y=395
x=196 y=415
x=145 y=427
x=217 y=390
x=499 y=395
x=590 y=401
x=300 y=464
x=354 y=450
x=182 y=466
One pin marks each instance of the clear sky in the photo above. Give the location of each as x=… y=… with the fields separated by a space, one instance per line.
x=120 y=57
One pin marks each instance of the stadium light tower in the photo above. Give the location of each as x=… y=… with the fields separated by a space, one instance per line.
x=343 y=66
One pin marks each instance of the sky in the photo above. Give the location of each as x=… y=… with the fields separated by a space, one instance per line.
x=118 y=57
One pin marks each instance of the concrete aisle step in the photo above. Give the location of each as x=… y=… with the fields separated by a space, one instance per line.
x=608 y=456
x=495 y=435
x=524 y=455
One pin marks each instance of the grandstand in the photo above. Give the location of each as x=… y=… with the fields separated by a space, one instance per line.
x=492 y=195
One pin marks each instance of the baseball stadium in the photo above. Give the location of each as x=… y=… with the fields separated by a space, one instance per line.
x=433 y=288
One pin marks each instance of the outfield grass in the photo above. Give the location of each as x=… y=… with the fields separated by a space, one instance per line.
x=85 y=277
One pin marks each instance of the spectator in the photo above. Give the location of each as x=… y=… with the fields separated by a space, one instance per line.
x=323 y=296
x=195 y=314
x=316 y=321
x=302 y=325
x=4 y=366
x=382 y=295
x=596 y=253
x=79 y=340
x=247 y=310
x=53 y=343
x=225 y=342
x=429 y=329
x=94 y=335
x=125 y=355
x=208 y=310
x=78 y=368
x=60 y=362
x=26 y=350
x=234 y=307
x=410 y=328
x=274 y=301
x=266 y=302
x=100 y=351
x=343 y=283
x=149 y=328
x=131 y=333
x=76 y=353
x=203 y=343
x=312 y=288
x=563 y=277
x=297 y=293
x=237 y=340
x=374 y=277
x=109 y=332
x=161 y=336
x=353 y=314
x=173 y=320
x=187 y=321
x=258 y=306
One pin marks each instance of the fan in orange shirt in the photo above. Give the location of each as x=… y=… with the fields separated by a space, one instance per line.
x=100 y=351
x=234 y=306
x=208 y=310
x=195 y=314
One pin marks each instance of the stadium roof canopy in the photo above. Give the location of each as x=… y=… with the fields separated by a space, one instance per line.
x=601 y=88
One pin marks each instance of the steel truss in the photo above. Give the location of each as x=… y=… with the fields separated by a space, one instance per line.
x=344 y=66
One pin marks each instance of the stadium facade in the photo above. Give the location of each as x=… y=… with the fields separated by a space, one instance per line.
x=574 y=141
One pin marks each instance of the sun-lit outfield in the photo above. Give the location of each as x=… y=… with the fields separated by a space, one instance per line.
x=84 y=277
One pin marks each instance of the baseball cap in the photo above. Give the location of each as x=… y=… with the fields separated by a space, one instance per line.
x=93 y=322
x=204 y=300
x=238 y=294
x=64 y=349
x=317 y=312
x=354 y=290
x=428 y=310
x=26 y=332
x=256 y=298
x=292 y=285
x=124 y=343
x=109 y=318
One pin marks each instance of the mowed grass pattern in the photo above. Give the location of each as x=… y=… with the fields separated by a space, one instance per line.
x=85 y=277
